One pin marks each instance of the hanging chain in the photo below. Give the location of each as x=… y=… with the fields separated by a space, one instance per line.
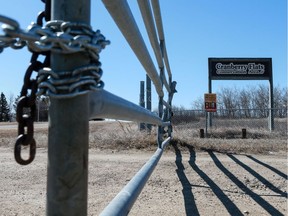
x=62 y=37
x=26 y=107
x=56 y=36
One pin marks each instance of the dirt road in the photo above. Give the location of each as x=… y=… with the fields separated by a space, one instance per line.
x=184 y=183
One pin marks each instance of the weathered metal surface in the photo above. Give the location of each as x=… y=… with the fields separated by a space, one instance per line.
x=104 y=104
x=68 y=128
x=123 y=17
x=124 y=200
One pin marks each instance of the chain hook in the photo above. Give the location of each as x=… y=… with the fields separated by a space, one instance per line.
x=17 y=150
x=26 y=107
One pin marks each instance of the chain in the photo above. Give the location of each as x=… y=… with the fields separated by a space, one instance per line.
x=26 y=107
x=61 y=37
x=67 y=84
x=56 y=36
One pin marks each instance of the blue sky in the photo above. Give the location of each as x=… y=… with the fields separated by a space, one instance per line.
x=194 y=31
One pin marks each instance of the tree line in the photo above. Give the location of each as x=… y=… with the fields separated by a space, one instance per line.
x=8 y=107
x=248 y=102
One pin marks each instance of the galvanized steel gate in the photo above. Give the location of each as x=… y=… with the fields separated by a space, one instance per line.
x=72 y=80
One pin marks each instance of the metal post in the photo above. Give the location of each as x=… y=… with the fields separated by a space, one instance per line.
x=148 y=99
x=170 y=98
x=68 y=128
x=142 y=102
x=160 y=110
x=206 y=125
x=210 y=91
x=271 y=106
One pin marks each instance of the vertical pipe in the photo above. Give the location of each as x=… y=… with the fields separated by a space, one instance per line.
x=210 y=91
x=67 y=178
x=148 y=99
x=170 y=111
x=271 y=106
x=142 y=102
x=160 y=110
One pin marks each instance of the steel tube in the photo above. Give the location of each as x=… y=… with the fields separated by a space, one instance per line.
x=158 y=18
x=124 y=200
x=148 y=99
x=165 y=56
x=147 y=15
x=159 y=25
x=142 y=102
x=67 y=177
x=103 y=104
x=166 y=104
x=123 y=17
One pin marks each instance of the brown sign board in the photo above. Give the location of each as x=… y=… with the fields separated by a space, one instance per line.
x=210 y=102
x=240 y=68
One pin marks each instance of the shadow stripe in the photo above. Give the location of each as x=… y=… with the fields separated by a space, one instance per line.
x=258 y=176
x=267 y=206
x=229 y=205
x=283 y=175
x=189 y=200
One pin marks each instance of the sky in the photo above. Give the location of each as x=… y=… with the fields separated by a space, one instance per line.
x=194 y=31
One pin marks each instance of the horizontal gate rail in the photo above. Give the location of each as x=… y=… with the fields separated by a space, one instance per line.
x=124 y=200
x=147 y=15
x=104 y=104
x=123 y=17
x=158 y=20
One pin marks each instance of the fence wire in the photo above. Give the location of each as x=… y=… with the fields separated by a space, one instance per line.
x=227 y=119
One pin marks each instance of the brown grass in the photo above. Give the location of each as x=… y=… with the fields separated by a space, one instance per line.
x=118 y=136
x=229 y=139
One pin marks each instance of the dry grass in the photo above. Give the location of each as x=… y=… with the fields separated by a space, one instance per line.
x=229 y=139
x=118 y=136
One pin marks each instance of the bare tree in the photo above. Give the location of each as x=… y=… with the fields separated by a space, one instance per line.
x=198 y=104
x=4 y=109
x=228 y=98
x=10 y=104
x=261 y=101
x=245 y=101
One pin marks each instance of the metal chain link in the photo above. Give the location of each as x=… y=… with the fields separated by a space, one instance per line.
x=56 y=36
x=26 y=107
x=65 y=38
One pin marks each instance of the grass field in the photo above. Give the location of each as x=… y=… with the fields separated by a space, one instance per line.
x=116 y=135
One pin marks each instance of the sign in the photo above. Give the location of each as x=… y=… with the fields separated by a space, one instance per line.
x=210 y=102
x=240 y=68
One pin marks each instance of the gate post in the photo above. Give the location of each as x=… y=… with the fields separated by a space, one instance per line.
x=271 y=105
x=148 y=99
x=67 y=178
x=142 y=102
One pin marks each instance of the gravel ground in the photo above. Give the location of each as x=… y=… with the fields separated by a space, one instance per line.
x=184 y=183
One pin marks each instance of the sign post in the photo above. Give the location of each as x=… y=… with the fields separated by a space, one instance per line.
x=210 y=106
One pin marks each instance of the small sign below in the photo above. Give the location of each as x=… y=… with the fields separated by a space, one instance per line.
x=210 y=102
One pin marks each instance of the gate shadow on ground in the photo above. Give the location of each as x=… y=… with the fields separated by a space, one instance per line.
x=229 y=205
x=190 y=205
x=258 y=176
x=278 y=172
x=189 y=201
x=257 y=198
